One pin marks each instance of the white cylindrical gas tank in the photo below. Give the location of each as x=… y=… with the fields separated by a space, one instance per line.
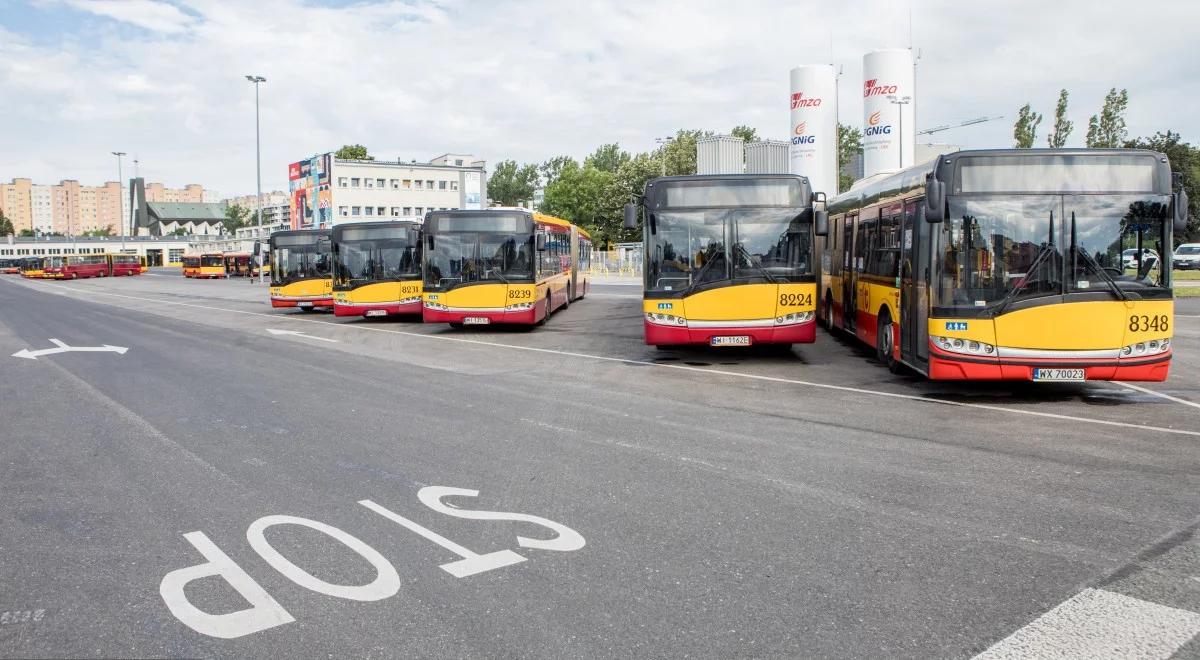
x=813 y=150
x=889 y=129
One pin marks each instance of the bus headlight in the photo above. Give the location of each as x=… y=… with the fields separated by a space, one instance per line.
x=963 y=346
x=665 y=319
x=1148 y=347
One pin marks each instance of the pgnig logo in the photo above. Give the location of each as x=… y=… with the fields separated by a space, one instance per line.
x=873 y=127
x=799 y=137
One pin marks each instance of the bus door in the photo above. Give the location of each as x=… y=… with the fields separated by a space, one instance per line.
x=909 y=298
x=849 y=273
x=572 y=287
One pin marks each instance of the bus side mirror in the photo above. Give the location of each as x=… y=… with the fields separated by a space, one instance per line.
x=1181 y=211
x=821 y=222
x=631 y=216
x=935 y=200
x=257 y=248
x=540 y=241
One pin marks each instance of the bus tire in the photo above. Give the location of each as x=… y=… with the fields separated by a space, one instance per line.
x=548 y=309
x=457 y=325
x=885 y=343
x=570 y=296
x=829 y=325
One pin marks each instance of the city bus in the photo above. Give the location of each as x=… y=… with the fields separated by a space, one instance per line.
x=212 y=266
x=501 y=265
x=729 y=259
x=190 y=265
x=32 y=267
x=376 y=268
x=79 y=266
x=124 y=264
x=1007 y=265
x=238 y=264
x=143 y=265
x=52 y=267
x=301 y=270
x=10 y=266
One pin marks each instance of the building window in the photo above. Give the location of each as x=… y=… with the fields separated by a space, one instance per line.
x=356 y=210
x=343 y=211
x=417 y=184
x=408 y=210
x=420 y=211
x=380 y=183
x=429 y=185
x=342 y=182
x=367 y=183
x=354 y=182
x=395 y=184
x=381 y=211
x=370 y=210
x=408 y=183
x=453 y=185
x=174 y=255
x=458 y=162
x=442 y=185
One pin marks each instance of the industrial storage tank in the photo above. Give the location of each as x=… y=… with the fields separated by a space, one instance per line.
x=813 y=132
x=889 y=131
x=720 y=154
x=767 y=157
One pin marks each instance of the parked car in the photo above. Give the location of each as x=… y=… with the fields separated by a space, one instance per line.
x=1187 y=256
x=1129 y=257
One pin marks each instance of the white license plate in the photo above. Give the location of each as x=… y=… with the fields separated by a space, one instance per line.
x=376 y=312
x=1058 y=374
x=736 y=340
x=304 y=304
x=476 y=320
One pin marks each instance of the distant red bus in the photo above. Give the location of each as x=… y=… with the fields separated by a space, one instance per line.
x=123 y=264
x=77 y=266
x=10 y=266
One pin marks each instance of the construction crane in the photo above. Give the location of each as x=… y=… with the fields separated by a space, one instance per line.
x=946 y=127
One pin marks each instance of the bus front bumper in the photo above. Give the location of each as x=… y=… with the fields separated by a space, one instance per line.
x=301 y=301
x=376 y=308
x=949 y=366
x=758 y=332
x=476 y=316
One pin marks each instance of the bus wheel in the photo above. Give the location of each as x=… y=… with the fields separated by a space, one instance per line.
x=457 y=325
x=547 y=316
x=885 y=343
x=570 y=295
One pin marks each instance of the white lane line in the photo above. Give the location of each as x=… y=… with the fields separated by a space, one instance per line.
x=1168 y=397
x=1100 y=624
x=1188 y=316
x=679 y=367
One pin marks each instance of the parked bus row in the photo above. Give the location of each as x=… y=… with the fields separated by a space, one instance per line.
x=75 y=266
x=499 y=266
x=219 y=265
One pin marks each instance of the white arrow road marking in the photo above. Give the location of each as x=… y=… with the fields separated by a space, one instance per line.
x=297 y=333
x=63 y=348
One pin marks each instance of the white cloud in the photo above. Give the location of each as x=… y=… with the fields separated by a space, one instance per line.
x=530 y=80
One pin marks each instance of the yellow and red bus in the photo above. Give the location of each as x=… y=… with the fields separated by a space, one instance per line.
x=376 y=268
x=212 y=266
x=729 y=259
x=501 y=266
x=301 y=269
x=190 y=265
x=239 y=264
x=124 y=264
x=1007 y=264
x=32 y=267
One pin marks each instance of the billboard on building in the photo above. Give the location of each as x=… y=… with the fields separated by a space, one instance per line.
x=472 y=193
x=813 y=150
x=888 y=119
x=311 y=197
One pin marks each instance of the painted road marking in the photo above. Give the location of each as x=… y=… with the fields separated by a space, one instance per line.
x=679 y=367
x=1176 y=399
x=63 y=348
x=1100 y=624
x=297 y=333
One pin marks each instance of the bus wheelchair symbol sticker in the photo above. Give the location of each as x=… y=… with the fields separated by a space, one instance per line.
x=956 y=325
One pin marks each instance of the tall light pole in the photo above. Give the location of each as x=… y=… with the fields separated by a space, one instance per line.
x=901 y=101
x=662 y=143
x=258 y=170
x=120 y=198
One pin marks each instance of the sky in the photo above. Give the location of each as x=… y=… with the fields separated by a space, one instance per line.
x=164 y=80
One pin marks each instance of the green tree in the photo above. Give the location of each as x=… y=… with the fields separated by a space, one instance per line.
x=747 y=133
x=1025 y=130
x=105 y=231
x=679 y=155
x=1185 y=159
x=1057 y=139
x=584 y=196
x=6 y=225
x=353 y=152
x=630 y=181
x=25 y=233
x=551 y=168
x=236 y=217
x=607 y=158
x=849 y=145
x=1107 y=130
x=179 y=231
x=510 y=184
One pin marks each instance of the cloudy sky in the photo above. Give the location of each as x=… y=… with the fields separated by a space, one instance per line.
x=533 y=79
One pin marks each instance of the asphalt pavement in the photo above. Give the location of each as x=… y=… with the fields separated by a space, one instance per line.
x=369 y=488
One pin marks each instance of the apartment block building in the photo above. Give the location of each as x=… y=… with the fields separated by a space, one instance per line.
x=70 y=208
x=326 y=191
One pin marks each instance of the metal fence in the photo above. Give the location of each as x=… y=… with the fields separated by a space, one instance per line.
x=622 y=262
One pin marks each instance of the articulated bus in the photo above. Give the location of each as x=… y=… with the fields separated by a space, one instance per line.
x=301 y=269
x=79 y=266
x=1007 y=264
x=212 y=266
x=376 y=268
x=124 y=264
x=190 y=265
x=501 y=266
x=729 y=259
x=32 y=267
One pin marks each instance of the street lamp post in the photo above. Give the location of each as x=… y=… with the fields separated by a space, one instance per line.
x=901 y=102
x=662 y=143
x=258 y=170
x=120 y=198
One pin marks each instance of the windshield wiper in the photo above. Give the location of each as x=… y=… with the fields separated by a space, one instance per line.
x=750 y=259
x=1046 y=250
x=1087 y=259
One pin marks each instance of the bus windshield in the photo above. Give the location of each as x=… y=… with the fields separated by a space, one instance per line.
x=212 y=260
x=478 y=247
x=995 y=250
x=376 y=254
x=299 y=258
x=700 y=246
